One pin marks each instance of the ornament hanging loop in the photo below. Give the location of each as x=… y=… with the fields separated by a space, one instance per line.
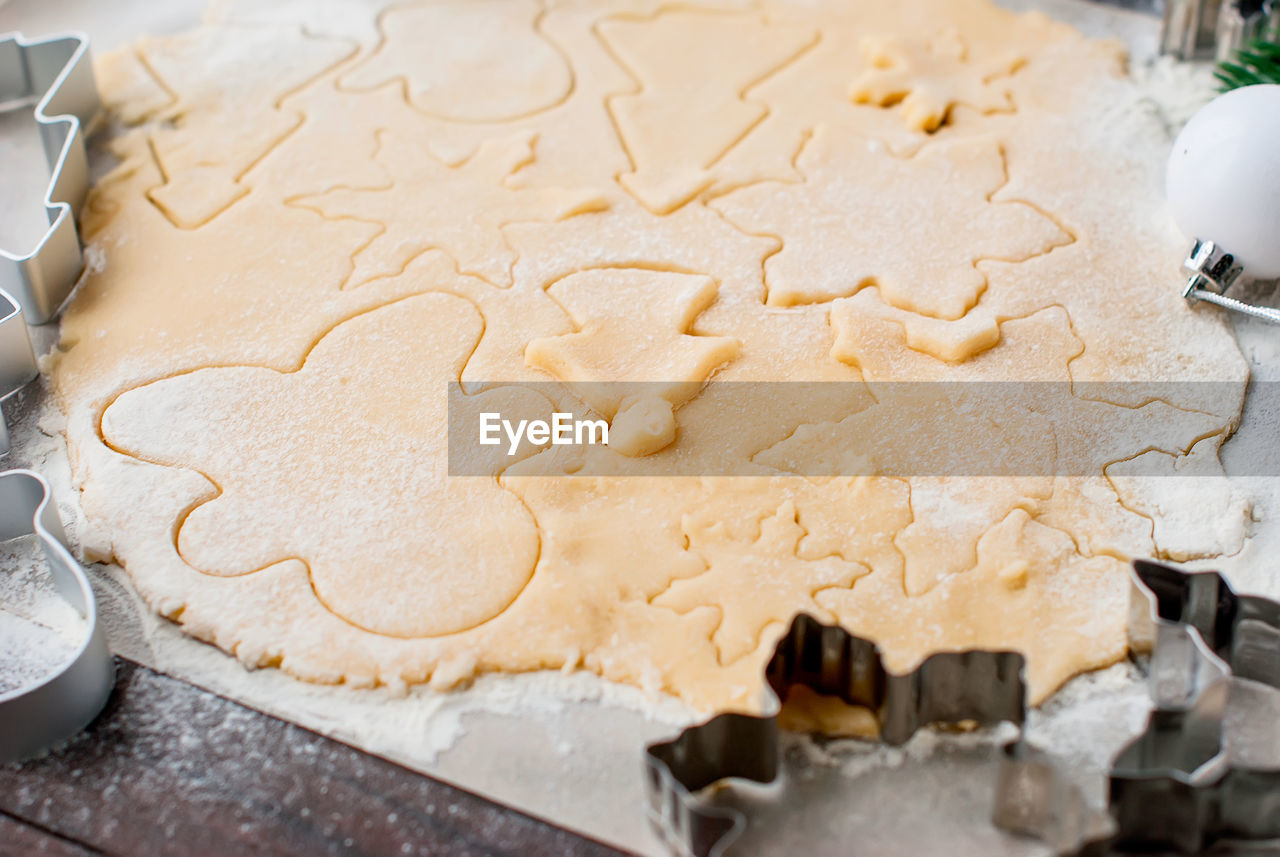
x=1213 y=270
x=1211 y=267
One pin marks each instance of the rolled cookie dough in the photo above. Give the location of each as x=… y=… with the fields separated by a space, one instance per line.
x=254 y=372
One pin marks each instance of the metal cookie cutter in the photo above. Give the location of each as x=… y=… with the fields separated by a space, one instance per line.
x=950 y=687
x=17 y=358
x=1202 y=29
x=64 y=701
x=55 y=76
x=61 y=704
x=1174 y=788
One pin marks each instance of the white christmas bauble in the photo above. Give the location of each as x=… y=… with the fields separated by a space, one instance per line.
x=1223 y=180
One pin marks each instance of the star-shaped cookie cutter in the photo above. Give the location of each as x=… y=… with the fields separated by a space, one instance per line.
x=1174 y=787
x=54 y=76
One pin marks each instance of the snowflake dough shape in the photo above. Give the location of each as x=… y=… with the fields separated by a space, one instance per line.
x=757 y=581
x=928 y=80
x=845 y=225
x=325 y=466
x=468 y=60
x=460 y=210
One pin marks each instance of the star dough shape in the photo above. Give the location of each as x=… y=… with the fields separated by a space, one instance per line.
x=757 y=581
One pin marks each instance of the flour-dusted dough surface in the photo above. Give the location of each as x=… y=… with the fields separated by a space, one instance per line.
x=327 y=211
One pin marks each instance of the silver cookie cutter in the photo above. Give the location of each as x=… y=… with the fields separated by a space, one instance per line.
x=1172 y=788
x=54 y=77
x=1203 y=29
x=17 y=358
x=979 y=687
x=63 y=702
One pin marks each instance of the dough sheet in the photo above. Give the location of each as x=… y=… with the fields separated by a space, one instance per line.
x=326 y=212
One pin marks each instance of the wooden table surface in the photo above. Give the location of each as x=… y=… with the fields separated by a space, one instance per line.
x=169 y=769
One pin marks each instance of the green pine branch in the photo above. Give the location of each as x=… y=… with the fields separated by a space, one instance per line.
x=1257 y=62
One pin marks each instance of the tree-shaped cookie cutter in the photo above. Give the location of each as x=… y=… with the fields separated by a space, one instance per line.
x=54 y=76
x=1172 y=788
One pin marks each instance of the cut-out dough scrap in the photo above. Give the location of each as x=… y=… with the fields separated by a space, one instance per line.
x=362 y=503
x=228 y=82
x=928 y=78
x=756 y=581
x=632 y=326
x=916 y=227
x=811 y=90
x=468 y=60
x=694 y=69
x=105 y=199
x=577 y=140
x=422 y=207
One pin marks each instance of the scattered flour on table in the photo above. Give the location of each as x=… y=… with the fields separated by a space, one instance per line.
x=414 y=725
x=38 y=630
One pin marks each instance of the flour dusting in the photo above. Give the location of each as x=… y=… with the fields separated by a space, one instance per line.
x=38 y=629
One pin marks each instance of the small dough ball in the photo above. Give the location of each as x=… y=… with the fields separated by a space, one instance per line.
x=643 y=426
